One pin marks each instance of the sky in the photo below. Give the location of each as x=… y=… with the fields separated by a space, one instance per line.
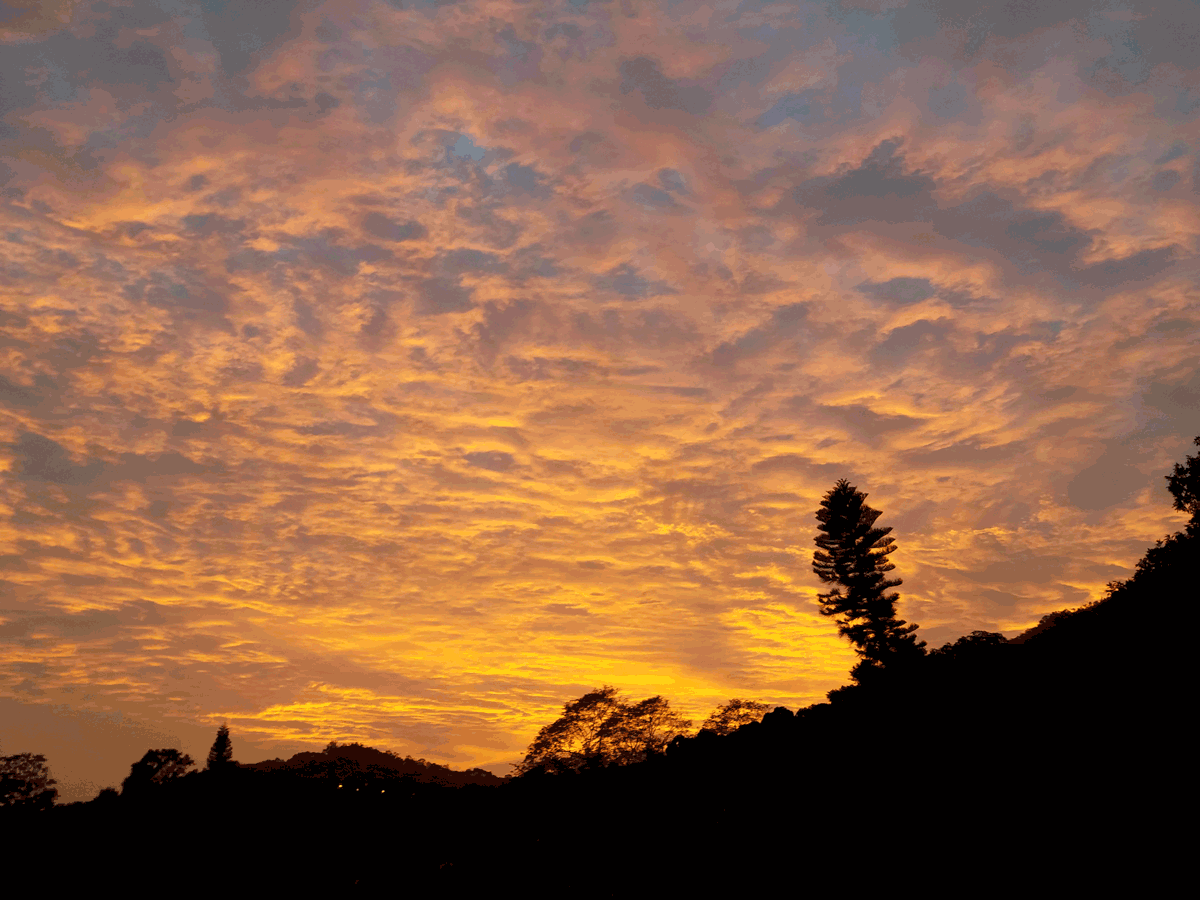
x=400 y=371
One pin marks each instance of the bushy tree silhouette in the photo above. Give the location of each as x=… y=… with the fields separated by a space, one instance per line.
x=576 y=738
x=729 y=717
x=601 y=729
x=638 y=731
x=220 y=757
x=1184 y=485
x=25 y=782
x=853 y=554
x=154 y=769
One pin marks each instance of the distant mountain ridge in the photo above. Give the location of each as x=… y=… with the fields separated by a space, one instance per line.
x=342 y=759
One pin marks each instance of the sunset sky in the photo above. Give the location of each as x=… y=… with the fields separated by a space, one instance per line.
x=400 y=371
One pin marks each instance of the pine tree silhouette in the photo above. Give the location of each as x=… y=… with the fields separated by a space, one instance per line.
x=853 y=554
x=220 y=757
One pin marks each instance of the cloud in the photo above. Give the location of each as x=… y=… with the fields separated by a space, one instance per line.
x=301 y=372
x=211 y=223
x=1028 y=238
x=1136 y=267
x=596 y=228
x=671 y=180
x=805 y=108
x=39 y=459
x=437 y=296
x=628 y=283
x=654 y=199
x=1178 y=401
x=901 y=343
x=37 y=396
x=495 y=460
x=865 y=423
x=468 y=260
x=901 y=290
x=379 y=225
x=1023 y=568
x=186 y=292
x=878 y=189
x=23 y=627
x=970 y=453
x=795 y=464
x=645 y=75
x=239 y=33
x=525 y=180
x=1175 y=151
x=785 y=322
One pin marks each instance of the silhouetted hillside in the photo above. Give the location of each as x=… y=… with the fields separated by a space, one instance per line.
x=351 y=760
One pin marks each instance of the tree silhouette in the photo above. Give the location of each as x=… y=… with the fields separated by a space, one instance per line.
x=576 y=738
x=637 y=732
x=156 y=768
x=601 y=729
x=25 y=782
x=1184 y=485
x=729 y=717
x=853 y=554
x=220 y=757
x=1163 y=566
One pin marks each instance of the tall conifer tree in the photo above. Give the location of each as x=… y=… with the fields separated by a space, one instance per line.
x=220 y=757
x=853 y=554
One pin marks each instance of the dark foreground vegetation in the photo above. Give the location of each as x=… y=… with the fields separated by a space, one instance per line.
x=1045 y=762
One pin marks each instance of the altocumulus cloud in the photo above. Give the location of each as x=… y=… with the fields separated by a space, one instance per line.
x=397 y=372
